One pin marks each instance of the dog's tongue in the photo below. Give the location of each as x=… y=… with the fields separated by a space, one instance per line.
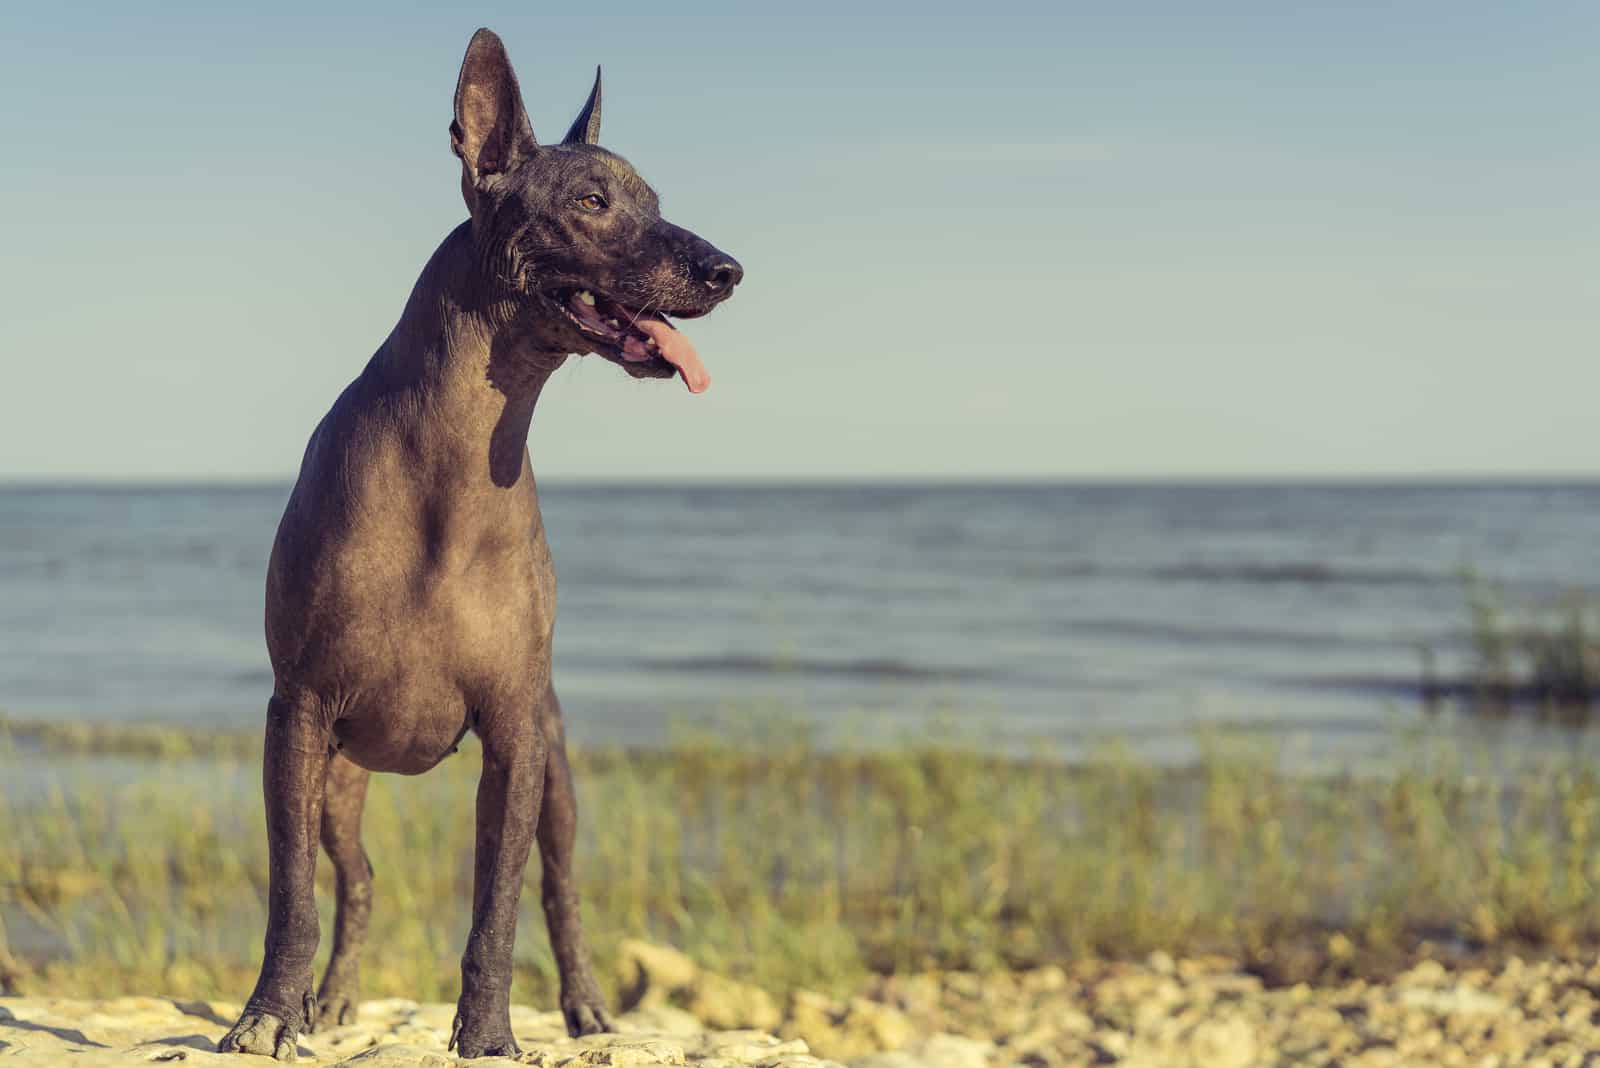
x=677 y=350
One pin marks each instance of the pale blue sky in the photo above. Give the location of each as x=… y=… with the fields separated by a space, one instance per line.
x=993 y=239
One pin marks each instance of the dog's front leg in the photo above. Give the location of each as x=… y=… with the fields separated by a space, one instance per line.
x=582 y=1004
x=510 y=792
x=293 y=767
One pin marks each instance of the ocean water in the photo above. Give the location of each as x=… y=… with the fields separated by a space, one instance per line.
x=1028 y=617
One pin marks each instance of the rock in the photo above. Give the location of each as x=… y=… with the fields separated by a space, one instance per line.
x=1108 y=1046
x=721 y=1003
x=1044 y=980
x=752 y=1047
x=895 y=1059
x=1426 y=973
x=664 y=1019
x=40 y=1032
x=654 y=978
x=1229 y=1042
x=1456 y=1000
x=401 y=1055
x=1182 y=1013
x=885 y=1027
x=813 y=1015
x=843 y=1030
x=937 y=1051
x=652 y=974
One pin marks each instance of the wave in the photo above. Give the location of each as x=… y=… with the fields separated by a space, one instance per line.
x=1264 y=573
x=875 y=668
x=1303 y=573
x=1205 y=634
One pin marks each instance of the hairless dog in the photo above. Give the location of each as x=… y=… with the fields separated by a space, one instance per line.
x=410 y=595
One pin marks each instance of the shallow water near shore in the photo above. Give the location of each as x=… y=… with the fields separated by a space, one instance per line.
x=1035 y=616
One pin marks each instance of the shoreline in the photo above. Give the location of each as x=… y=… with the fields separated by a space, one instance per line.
x=1163 y=1012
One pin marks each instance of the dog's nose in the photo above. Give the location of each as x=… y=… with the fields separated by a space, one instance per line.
x=721 y=272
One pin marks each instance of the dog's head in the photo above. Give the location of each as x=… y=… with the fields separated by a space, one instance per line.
x=571 y=229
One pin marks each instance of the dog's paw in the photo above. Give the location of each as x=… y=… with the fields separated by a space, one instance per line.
x=585 y=1012
x=336 y=1006
x=261 y=1032
x=473 y=1036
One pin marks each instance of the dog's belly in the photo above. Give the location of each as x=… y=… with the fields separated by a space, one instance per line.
x=404 y=682
x=405 y=733
x=403 y=703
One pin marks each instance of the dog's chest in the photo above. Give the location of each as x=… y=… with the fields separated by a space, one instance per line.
x=481 y=615
x=486 y=614
x=417 y=620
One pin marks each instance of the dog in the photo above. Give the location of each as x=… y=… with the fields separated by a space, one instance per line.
x=410 y=595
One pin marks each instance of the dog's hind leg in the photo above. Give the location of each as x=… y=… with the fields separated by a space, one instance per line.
x=581 y=1001
x=295 y=762
x=343 y=796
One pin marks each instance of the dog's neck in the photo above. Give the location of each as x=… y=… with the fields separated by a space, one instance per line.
x=464 y=370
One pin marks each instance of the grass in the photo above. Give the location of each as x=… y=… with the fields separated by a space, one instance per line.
x=1546 y=658
x=778 y=863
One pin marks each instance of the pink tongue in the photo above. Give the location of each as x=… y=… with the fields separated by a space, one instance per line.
x=677 y=350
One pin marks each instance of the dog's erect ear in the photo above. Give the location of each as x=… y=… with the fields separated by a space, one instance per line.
x=491 y=130
x=586 y=127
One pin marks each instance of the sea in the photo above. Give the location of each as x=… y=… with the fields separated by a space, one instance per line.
x=1027 y=618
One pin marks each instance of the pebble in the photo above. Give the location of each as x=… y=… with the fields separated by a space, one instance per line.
x=1163 y=1013
x=36 y=1032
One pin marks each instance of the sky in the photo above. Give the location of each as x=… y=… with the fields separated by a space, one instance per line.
x=980 y=241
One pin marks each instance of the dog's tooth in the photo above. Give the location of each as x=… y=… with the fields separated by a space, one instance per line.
x=614 y=324
x=586 y=296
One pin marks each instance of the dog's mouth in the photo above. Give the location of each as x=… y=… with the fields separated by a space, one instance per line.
x=610 y=322
x=624 y=334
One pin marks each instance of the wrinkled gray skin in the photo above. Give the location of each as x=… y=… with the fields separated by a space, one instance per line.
x=410 y=595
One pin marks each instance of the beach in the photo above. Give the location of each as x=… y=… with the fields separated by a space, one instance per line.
x=859 y=759
x=1161 y=1013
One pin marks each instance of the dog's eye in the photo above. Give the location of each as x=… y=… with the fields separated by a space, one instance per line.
x=592 y=202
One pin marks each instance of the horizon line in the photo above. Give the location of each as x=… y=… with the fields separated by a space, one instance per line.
x=1225 y=479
